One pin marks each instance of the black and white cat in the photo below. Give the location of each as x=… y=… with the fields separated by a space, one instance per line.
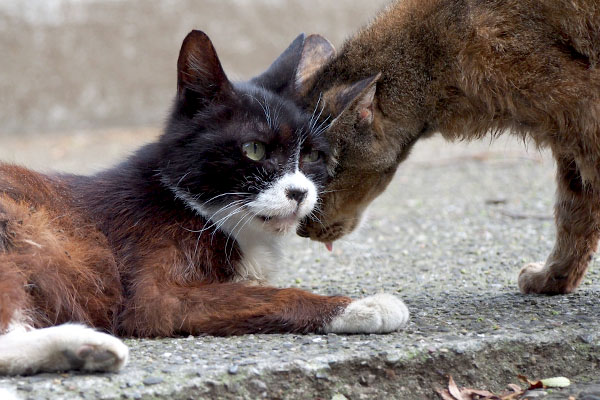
x=179 y=239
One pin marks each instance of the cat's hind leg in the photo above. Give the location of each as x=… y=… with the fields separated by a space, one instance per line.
x=577 y=215
x=24 y=350
x=60 y=348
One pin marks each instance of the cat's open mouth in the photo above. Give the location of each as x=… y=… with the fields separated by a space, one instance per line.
x=279 y=224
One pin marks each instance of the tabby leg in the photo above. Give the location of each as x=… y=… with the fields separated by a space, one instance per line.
x=577 y=214
x=235 y=308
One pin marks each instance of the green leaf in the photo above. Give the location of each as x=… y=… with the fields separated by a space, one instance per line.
x=557 y=382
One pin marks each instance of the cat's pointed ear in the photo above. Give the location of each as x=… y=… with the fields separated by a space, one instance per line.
x=358 y=98
x=317 y=51
x=279 y=77
x=200 y=76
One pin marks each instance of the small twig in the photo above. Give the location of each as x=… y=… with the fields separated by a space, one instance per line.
x=525 y=216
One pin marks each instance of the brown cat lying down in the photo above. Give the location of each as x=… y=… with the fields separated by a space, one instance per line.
x=179 y=239
x=466 y=69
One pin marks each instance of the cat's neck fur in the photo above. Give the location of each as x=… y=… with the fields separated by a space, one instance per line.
x=133 y=201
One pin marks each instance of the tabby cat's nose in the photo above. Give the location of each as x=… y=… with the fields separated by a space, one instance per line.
x=296 y=194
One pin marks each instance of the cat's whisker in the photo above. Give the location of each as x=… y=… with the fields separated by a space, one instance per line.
x=219 y=223
x=222 y=195
x=330 y=191
x=268 y=112
x=181 y=179
x=323 y=126
x=277 y=115
x=319 y=116
x=248 y=216
x=261 y=106
x=313 y=217
x=212 y=223
x=312 y=117
x=223 y=221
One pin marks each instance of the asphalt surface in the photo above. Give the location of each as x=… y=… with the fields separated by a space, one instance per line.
x=449 y=236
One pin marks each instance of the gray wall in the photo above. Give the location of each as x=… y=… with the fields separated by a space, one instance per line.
x=67 y=65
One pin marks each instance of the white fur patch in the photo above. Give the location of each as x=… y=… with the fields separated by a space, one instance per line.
x=260 y=249
x=7 y=394
x=19 y=323
x=274 y=201
x=60 y=348
x=259 y=241
x=381 y=313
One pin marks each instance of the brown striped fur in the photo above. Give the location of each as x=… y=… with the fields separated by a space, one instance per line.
x=466 y=69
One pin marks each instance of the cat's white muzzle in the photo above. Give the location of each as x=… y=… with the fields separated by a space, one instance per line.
x=287 y=201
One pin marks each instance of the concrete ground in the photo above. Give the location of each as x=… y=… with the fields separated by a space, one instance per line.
x=448 y=236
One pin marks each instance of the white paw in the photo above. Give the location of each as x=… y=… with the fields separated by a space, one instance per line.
x=380 y=313
x=61 y=348
x=79 y=347
x=6 y=394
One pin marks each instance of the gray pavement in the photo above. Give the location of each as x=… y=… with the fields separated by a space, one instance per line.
x=448 y=236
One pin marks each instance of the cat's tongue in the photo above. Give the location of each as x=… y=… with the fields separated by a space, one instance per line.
x=329 y=246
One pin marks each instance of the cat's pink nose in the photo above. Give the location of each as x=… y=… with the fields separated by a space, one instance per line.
x=296 y=194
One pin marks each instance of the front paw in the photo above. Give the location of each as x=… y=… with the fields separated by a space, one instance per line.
x=381 y=313
x=532 y=278
x=82 y=348
x=536 y=278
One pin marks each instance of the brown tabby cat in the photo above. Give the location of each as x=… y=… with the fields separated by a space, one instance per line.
x=465 y=69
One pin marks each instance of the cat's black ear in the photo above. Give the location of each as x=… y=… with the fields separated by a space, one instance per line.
x=200 y=76
x=358 y=98
x=317 y=52
x=279 y=77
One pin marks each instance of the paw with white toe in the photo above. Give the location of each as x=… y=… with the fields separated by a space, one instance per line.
x=61 y=348
x=381 y=313
x=86 y=349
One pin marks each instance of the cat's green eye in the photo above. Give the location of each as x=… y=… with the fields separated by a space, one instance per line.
x=313 y=156
x=254 y=150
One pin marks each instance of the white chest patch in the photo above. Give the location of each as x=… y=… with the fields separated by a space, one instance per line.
x=259 y=226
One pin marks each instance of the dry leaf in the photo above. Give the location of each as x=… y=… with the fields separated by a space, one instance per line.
x=444 y=394
x=455 y=393
x=532 y=384
x=453 y=389
x=482 y=393
x=515 y=388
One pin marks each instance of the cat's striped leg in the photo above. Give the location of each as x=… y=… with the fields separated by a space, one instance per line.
x=238 y=308
x=577 y=214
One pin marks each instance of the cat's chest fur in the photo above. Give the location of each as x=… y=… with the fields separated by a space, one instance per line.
x=259 y=253
x=251 y=252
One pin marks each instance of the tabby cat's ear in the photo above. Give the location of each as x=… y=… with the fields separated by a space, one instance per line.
x=358 y=98
x=316 y=52
x=200 y=76
x=279 y=77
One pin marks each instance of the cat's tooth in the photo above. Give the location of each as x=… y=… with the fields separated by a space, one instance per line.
x=329 y=246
